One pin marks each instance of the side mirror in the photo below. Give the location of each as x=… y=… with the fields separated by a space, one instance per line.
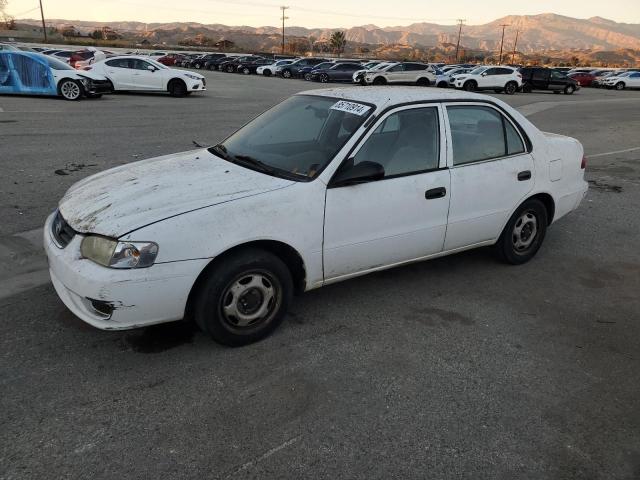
x=151 y=68
x=363 y=172
x=484 y=74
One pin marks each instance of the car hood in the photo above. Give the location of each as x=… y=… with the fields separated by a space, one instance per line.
x=128 y=197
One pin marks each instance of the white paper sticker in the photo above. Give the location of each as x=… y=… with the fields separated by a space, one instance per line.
x=351 y=107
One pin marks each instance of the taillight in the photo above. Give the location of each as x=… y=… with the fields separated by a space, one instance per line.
x=583 y=164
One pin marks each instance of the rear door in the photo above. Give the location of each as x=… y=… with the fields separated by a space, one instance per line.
x=634 y=80
x=540 y=78
x=118 y=70
x=395 y=73
x=491 y=172
x=557 y=81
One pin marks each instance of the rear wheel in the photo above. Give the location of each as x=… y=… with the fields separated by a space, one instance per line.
x=177 y=88
x=229 y=68
x=266 y=72
x=423 y=82
x=523 y=235
x=307 y=77
x=569 y=89
x=470 y=86
x=70 y=89
x=198 y=66
x=244 y=298
x=510 y=88
x=526 y=88
x=379 y=81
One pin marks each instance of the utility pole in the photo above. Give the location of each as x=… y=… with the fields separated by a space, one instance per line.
x=44 y=27
x=504 y=25
x=284 y=17
x=515 y=44
x=460 y=23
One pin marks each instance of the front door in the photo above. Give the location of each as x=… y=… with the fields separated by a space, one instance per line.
x=400 y=217
x=144 y=78
x=491 y=173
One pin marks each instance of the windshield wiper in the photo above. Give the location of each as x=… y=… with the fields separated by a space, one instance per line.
x=221 y=151
x=254 y=162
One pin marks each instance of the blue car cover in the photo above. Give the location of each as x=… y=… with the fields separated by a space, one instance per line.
x=26 y=72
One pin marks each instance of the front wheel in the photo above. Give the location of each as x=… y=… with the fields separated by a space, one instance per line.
x=569 y=89
x=379 y=81
x=198 y=66
x=510 y=88
x=324 y=78
x=286 y=73
x=244 y=298
x=619 y=86
x=307 y=77
x=470 y=86
x=246 y=71
x=70 y=90
x=266 y=72
x=177 y=88
x=523 y=235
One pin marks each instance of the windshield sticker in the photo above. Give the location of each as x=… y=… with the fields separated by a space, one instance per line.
x=351 y=107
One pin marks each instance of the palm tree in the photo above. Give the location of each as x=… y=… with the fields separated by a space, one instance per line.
x=338 y=41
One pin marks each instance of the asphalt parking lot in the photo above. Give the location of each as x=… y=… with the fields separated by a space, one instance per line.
x=461 y=367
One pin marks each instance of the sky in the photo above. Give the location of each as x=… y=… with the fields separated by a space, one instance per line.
x=311 y=13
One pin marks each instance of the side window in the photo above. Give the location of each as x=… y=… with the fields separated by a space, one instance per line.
x=405 y=142
x=396 y=68
x=481 y=133
x=491 y=71
x=504 y=71
x=118 y=63
x=141 y=64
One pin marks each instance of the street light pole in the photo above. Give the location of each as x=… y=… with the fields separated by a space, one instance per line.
x=504 y=25
x=283 y=8
x=44 y=27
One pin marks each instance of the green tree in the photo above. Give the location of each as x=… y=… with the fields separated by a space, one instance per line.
x=338 y=42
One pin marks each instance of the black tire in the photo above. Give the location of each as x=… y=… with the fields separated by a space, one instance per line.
x=229 y=68
x=307 y=77
x=379 y=81
x=266 y=72
x=246 y=71
x=324 y=78
x=286 y=73
x=443 y=85
x=619 y=86
x=524 y=233
x=569 y=89
x=70 y=89
x=177 y=88
x=212 y=67
x=198 y=66
x=526 y=88
x=423 y=82
x=241 y=281
x=470 y=86
x=510 y=88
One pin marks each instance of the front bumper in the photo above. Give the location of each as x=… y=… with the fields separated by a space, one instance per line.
x=133 y=298
x=196 y=85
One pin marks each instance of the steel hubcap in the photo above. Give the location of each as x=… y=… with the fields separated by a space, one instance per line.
x=70 y=90
x=524 y=231
x=251 y=298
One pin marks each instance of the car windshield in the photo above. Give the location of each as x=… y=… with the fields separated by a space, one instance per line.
x=477 y=71
x=57 y=64
x=297 y=138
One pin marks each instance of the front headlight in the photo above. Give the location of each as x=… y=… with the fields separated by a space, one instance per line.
x=111 y=253
x=193 y=77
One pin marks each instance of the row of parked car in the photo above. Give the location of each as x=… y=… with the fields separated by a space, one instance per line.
x=28 y=72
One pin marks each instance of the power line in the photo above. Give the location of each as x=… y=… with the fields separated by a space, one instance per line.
x=460 y=23
x=504 y=25
x=284 y=17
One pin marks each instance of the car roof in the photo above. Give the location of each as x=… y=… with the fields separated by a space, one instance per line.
x=385 y=95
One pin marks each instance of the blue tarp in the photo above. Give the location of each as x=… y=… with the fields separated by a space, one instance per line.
x=25 y=72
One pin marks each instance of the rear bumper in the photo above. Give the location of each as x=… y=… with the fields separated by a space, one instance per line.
x=124 y=299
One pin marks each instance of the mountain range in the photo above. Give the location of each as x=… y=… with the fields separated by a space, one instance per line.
x=536 y=33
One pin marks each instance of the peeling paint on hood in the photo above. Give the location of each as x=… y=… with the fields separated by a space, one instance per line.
x=125 y=198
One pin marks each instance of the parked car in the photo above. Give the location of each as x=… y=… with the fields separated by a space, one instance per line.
x=358 y=75
x=186 y=59
x=540 y=78
x=212 y=232
x=268 y=70
x=445 y=78
x=599 y=76
x=214 y=63
x=231 y=64
x=36 y=74
x=62 y=55
x=293 y=69
x=171 y=59
x=584 y=79
x=339 y=72
x=84 y=58
x=629 y=79
x=200 y=62
x=250 y=67
x=142 y=73
x=404 y=72
x=305 y=72
x=499 y=79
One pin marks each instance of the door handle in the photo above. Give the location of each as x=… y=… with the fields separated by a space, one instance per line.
x=435 y=193
x=525 y=175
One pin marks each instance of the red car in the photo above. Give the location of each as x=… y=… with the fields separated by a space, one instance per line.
x=170 y=59
x=584 y=79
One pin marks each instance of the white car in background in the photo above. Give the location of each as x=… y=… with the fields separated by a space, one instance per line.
x=228 y=233
x=141 y=73
x=499 y=79
x=358 y=75
x=446 y=78
x=268 y=70
x=622 y=81
x=404 y=73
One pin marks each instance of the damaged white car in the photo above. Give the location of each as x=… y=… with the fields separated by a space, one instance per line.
x=327 y=185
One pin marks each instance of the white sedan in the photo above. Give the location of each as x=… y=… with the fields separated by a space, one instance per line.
x=268 y=70
x=327 y=185
x=142 y=73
